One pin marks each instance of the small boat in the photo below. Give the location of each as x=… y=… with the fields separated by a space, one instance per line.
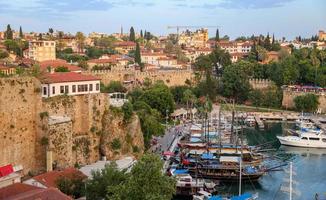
x=250 y=121
x=305 y=139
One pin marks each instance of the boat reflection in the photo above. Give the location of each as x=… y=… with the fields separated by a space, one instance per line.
x=303 y=151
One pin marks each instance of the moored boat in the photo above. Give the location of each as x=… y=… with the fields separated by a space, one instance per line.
x=305 y=139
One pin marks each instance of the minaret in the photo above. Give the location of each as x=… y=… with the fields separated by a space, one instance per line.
x=121 y=31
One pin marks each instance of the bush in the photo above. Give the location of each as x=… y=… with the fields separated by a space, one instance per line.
x=306 y=103
x=44 y=141
x=44 y=114
x=127 y=111
x=116 y=144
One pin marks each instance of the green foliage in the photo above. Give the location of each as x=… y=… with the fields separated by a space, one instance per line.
x=44 y=114
x=114 y=86
x=94 y=53
x=178 y=93
x=147 y=182
x=127 y=111
x=132 y=36
x=306 y=103
x=61 y=69
x=217 y=35
x=8 y=33
x=144 y=182
x=71 y=186
x=105 y=42
x=44 y=141
x=3 y=54
x=137 y=55
x=235 y=82
x=270 y=98
x=104 y=182
x=16 y=46
x=160 y=98
x=116 y=144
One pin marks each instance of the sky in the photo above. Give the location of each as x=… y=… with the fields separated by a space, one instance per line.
x=288 y=18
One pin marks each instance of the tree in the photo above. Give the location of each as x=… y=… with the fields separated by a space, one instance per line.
x=306 y=103
x=103 y=183
x=80 y=41
x=137 y=55
x=72 y=186
x=61 y=69
x=132 y=36
x=51 y=31
x=217 y=36
x=8 y=33
x=160 y=98
x=147 y=182
x=267 y=42
x=115 y=86
x=21 y=35
x=127 y=111
x=235 y=83
x=4 y=54
x=141 y=34
x=40 y=36
x=189 y=98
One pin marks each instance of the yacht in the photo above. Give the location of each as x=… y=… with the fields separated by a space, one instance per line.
x=304 y=139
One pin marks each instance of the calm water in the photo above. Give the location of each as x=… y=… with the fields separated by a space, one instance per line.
x=308 y=164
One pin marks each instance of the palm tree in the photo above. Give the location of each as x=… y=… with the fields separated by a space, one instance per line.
x=80 y=41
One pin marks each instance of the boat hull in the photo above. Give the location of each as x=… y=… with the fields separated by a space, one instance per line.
x=292 y=141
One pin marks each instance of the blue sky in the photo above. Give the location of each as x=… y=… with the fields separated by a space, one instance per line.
x=287 y=18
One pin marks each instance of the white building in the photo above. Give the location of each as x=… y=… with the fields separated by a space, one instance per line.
x=69 y=83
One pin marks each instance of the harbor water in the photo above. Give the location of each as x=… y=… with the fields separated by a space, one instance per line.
x=309 y=165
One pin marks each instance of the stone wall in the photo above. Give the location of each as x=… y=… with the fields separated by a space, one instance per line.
x=170 y=77
x=27 y=129
x=20 y=122
x=289 y=95
x=260 y=84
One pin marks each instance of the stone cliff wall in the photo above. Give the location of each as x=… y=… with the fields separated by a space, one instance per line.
x=288 y=99
x=20 y=123
x=170 y=77
x=27 y=131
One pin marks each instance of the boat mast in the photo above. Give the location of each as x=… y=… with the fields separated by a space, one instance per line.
x=290 y=180
x=240 y=181
x=219 y=129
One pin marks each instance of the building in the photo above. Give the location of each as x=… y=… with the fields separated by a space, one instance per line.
x=49 y=179
x=193 y=39
x=236 y=49
x=322 y=35
x=69 y=83
x=152 y=57
x=20 y=191
x=9 y=175
x=52 y=65
x=42 y=50
x=124 y=46
x=7 y=70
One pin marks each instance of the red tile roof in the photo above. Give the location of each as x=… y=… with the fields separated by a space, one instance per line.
x=14 y=189
x=49 y=179
x=60 y=77
x=42 y=194
x=102 y=61
x=58 y=63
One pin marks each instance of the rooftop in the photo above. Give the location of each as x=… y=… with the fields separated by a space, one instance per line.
x=60 y=77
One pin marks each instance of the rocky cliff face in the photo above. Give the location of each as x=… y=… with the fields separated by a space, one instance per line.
x=77 y=129
x=120 y=138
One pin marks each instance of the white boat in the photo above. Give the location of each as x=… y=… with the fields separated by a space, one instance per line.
x=202 y=195
x=250 y=120
x=305 y=139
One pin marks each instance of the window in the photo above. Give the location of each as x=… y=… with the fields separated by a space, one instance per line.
x=66 y=89
x=79 y=88
x=62 y=89
x=316 y=139
x=86 y=88
x=44 y=90
x=324 y=139
x=97 y=86
x=74 y=88
x=90 y=87
x=53 y=89
x=304 y=138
